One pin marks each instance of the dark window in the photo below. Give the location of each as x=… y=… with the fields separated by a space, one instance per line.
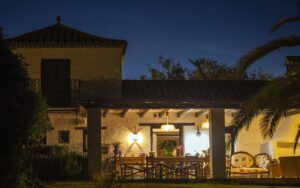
x=55 y=80
x=64 y=137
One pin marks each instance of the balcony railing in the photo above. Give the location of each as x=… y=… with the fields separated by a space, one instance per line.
x=74 y=90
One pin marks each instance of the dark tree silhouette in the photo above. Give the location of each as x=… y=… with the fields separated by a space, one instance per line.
x=203 y=69
x=24 y=119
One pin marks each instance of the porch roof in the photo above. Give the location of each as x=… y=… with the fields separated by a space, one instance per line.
x=182 y=94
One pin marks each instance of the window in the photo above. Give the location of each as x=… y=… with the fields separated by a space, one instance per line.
x=64 y=137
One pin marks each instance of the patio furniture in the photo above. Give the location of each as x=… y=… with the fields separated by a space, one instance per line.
x=290 y=166
x=242 y=163
x=189 y=167
x=274 y=170
x=132 y=167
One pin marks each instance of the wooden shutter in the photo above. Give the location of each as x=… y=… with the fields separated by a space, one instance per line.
x=56 y=83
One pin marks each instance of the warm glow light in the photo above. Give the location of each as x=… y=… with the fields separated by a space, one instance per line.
x=205 y=125
x=167 y=127
x=135 y=138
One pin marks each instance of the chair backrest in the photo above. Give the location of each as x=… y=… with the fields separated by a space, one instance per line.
x=290 y=166
x=262 y=160
x=133 y=160
x=241 y=159
x=227 y=161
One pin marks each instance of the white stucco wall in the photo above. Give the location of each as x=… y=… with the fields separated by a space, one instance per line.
x=193 y=143
x=119 y=128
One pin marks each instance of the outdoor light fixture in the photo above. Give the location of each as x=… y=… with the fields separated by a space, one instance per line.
x=167 y=126
x=205 y=124
x=134 y=137
x=198 y=133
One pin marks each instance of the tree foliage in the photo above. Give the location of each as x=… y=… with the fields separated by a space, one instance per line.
x=202 y=69
x=24 y=119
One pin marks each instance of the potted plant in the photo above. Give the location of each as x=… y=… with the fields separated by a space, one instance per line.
x=116 y=146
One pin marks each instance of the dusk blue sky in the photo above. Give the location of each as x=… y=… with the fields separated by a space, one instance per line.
x=181 y=29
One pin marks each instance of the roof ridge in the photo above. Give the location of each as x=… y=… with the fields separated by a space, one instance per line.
x=59 y=35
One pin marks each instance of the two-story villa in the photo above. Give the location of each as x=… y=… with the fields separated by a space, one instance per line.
x=90 y=106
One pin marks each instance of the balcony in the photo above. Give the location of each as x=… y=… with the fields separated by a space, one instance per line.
x=74 y=91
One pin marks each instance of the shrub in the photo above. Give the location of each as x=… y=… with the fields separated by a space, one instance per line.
x=58 y=163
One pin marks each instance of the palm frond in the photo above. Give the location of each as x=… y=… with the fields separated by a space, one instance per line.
x=280 y=23
x=297 y=139
x=272 y=102
x=270 y=120
x=263 y=50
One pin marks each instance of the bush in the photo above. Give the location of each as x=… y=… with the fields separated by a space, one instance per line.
x=58 y=163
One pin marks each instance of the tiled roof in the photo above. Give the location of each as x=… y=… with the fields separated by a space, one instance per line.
x=59 y=35
x=218 y=90
x=181 y=94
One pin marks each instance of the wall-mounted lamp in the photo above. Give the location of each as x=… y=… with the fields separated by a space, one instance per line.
x=135 y=137
x=205 y=124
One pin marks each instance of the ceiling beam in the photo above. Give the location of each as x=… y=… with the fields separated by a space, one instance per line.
x=124 y=112
x=182 y=112
x=200 y=112
x=163 y=112
x=142 y=113
x=293 y=112
x=158 y=125
x=105 y=112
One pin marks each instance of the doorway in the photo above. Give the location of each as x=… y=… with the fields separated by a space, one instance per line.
x=162 y=138
x=55 y=82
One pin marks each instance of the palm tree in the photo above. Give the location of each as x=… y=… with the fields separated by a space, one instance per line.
x=275 y=100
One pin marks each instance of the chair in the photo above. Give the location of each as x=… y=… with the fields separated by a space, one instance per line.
x=132 y=166
x=290 y=166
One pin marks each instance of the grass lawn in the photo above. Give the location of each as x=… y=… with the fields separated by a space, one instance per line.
x=154 y=185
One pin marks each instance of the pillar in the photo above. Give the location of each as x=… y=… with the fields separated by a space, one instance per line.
x=217 y=143
x=94 y=140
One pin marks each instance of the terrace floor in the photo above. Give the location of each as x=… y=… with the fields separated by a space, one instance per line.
x=155 y=185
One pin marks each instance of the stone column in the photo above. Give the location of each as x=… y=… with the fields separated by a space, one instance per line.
x=94 y=140
x=217 y=143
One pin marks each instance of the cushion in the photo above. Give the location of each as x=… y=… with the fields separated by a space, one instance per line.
x=262 y=160
x=248 y=170
x=242 y=160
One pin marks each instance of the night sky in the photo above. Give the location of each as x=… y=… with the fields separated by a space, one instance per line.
x=219 y=29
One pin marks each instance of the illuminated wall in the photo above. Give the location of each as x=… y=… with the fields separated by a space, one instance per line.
x=280 y=145
x=98 y=67
x=118 y=129
x=193 y=143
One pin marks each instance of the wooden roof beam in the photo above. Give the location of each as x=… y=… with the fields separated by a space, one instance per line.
x=124 y=112
x=105 y=113
x=182 y=112
x=200 y=112
x=142 y=113
x=163 y=112
x=293 y=112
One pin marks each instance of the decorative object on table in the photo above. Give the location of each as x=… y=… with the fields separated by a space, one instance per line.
x=179 y=151
x=117 y=149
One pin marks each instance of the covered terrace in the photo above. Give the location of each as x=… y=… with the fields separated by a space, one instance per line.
x=188 y=104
